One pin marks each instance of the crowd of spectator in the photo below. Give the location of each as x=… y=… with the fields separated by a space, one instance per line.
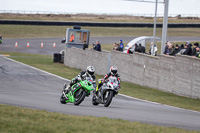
x=170 y=48
x=137 y=48
x=141 y=49
x=187 y=49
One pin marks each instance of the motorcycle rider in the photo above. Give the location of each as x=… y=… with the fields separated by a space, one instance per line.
x=82 y=76
x=113 y=72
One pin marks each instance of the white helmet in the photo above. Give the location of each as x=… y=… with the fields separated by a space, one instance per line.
x=90 y=70
x=113 y=70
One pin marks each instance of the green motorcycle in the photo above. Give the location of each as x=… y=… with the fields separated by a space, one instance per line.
x=77 y=92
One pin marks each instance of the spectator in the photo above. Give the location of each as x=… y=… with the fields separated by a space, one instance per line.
x=182 y=49
x=97 y=47
x=182 y=46
x=166 y=48
x=198 y=52
x=130 y=50
x=153 y=49
x=121 y=45
x=194 y=49
x=171 y=50
x=72 y=37
x=136 y=48
x=177 y=49
x=141 y=48
x=85 y=45
x=116 y=47
x=188 y=50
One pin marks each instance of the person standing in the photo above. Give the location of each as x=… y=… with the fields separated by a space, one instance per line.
x=121 y=45
x=153 y=49
x=177 y=49
x=194 y=49
x=97 y=47
x=72 y=37
x=188 y=50
x=197 y=52
x=172 y=50
x=142 y=48
x=166 y=48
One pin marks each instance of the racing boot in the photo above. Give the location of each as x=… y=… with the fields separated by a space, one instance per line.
x=67 y=89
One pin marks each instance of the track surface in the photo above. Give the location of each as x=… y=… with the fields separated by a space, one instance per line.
x=9 y=44
x=23 y=86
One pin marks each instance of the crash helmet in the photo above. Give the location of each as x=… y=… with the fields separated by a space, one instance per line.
x=90 y=70
x=113 y=70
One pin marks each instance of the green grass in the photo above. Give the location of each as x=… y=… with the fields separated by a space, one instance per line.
x=28 y=31
x=130 y=89
x=20 y=120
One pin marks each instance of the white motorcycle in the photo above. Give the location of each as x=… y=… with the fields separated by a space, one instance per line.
x=106 y=92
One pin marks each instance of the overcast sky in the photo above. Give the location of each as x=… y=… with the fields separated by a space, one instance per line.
x=102 y=6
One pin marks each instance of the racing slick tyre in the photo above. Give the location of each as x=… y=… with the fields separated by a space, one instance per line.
x=94 y=101
x=80 y=97
x=107 y=98
x=62 y=99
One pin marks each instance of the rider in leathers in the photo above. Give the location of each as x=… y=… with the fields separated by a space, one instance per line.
x=82 y=76
x=113 y=72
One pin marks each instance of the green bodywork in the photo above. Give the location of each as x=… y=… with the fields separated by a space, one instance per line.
x=85 y=84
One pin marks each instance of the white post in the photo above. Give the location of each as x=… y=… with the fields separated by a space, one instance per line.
x=164 y=29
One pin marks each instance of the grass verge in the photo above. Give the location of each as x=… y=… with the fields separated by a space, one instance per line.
x=20 y=120
x=30 y=31
x=129 y=89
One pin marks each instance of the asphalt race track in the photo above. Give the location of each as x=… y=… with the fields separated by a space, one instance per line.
x=8 y=45
x=23 y=86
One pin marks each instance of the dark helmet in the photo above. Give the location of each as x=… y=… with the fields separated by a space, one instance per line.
x=90 y=70
x=113 y=70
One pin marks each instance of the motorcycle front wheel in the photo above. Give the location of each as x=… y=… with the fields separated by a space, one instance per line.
x=107 y=98
x=80 y=97
x=94 y=101
x=62 y=99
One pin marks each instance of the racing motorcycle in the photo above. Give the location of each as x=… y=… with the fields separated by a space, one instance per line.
x=106 y=92
x=77 y=92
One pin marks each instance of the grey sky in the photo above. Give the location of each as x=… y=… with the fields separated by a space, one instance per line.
x=101 y=6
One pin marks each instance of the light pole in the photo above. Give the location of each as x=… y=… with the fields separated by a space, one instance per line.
x=154 y=30
x=164 y=29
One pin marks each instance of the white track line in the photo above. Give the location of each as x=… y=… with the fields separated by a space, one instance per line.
x=119 y=94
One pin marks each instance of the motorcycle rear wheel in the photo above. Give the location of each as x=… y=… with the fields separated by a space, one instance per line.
x=80 y=98
x=108 y=100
